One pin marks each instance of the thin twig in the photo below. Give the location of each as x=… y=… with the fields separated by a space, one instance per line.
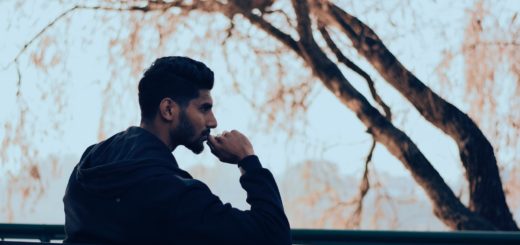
x=364 y=187
x=287 y=18
x=234 y=79
x=272 y=30
x=19 y=82
x=229 y=31
x=15 y=60
x=347 y=62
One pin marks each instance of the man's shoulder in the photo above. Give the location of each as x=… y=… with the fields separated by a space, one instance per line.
x=174 y=183
x=166 y=191
x=175 y=179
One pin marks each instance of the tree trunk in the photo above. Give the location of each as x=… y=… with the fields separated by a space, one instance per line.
x=446 y=205
x=487 y=197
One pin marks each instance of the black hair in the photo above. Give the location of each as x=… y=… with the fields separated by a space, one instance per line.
x=175 y=77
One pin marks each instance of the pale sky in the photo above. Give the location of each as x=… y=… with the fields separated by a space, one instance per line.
x=333 y=134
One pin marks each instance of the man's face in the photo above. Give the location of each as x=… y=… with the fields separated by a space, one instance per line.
x=195 y=122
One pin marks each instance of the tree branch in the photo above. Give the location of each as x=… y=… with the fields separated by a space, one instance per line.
x=271 y=30
x=347 y=62
x=486 y=193
x=43 y=30
x=287 y=18
x=446 y=205
x=229 y=9
x=19 y=81
x=364 y=187
x=151 y=6
x=234 y=79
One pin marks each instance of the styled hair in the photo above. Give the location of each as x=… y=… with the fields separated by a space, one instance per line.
x=175 y=77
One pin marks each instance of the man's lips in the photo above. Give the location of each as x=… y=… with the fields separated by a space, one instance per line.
x=205 y=136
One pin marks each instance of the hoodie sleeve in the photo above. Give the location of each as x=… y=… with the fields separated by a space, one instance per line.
x=202 y=216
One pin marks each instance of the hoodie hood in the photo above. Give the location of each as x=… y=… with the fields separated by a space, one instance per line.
x=111 y=167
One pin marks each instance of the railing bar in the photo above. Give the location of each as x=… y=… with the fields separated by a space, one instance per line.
x=46 y=233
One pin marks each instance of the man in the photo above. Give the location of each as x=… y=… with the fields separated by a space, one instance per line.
x=129 y=188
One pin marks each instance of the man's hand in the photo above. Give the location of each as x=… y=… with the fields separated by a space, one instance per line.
x=230 y=147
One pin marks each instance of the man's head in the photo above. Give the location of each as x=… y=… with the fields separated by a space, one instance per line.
x=175 y=101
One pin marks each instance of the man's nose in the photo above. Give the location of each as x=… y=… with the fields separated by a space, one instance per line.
x=212 y=121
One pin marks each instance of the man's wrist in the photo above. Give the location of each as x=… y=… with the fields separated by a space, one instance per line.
x=249 y=163
x=245 y=155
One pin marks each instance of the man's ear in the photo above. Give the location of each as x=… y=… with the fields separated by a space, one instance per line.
x=168 y=109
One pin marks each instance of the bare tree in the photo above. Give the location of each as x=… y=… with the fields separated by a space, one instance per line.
x=307 y=22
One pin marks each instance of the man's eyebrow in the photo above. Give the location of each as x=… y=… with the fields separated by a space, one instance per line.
x=207 y=105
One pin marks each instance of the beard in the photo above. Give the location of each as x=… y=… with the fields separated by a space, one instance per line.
x=185 y=132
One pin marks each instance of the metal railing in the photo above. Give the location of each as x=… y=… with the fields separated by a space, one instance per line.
x=43 y=233
x=47 y=233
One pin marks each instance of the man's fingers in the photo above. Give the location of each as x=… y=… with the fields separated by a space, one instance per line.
x=211 y=145
x=224 y=133
x=215 y=141
x=211 y=139
x=215 y=144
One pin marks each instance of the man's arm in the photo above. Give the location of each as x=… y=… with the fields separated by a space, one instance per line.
x=202 y=213
x=205 y=219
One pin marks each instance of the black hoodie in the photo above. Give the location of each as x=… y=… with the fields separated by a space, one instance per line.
x=129 y=189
